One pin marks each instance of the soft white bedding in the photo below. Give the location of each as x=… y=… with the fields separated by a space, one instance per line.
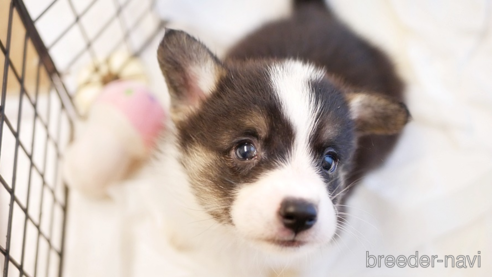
x=433 y=195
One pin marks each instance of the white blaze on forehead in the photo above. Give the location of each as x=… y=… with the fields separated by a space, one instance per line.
x=291 y=81
x=255 y=211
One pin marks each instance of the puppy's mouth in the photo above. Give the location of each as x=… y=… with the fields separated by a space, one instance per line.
x=294 y=243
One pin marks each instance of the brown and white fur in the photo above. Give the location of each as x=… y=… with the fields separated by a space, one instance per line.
x=295 y=98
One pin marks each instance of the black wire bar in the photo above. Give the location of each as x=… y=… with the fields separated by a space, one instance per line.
x=48 y=126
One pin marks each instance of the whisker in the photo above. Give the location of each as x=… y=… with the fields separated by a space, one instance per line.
x=357 y=237
x=356 y=217
x=358 y=234
x=359 y=209
x=340 y=241
x=345 y=189
x=212 y=227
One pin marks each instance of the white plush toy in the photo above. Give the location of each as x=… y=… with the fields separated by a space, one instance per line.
x=121 y=130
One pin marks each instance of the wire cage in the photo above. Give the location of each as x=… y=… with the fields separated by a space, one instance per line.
x=43 y=44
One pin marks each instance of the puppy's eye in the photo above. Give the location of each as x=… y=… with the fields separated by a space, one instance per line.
x=329 y=161
x=246 y=151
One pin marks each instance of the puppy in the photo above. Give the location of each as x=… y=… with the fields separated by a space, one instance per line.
x=267 y=143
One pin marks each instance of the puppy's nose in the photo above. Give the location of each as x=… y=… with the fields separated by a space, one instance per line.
x=297 y=214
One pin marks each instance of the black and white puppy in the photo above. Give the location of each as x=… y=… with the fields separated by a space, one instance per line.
x=268 y=142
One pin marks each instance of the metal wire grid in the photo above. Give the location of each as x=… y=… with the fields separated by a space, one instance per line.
x=91 y=39
x=34 y=196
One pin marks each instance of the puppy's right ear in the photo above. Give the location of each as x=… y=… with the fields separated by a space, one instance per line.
x=190 y=69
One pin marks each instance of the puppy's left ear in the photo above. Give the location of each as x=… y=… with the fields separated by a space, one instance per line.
x=190 y=69
x=376 y=114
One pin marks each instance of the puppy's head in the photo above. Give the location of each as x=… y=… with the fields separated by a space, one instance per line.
x=266 y=144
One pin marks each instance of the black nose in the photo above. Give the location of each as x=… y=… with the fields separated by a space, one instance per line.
x=297 y=214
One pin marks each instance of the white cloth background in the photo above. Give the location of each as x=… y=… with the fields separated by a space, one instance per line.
x=434 y=193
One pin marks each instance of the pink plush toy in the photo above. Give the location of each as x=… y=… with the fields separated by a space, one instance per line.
x=122 y=128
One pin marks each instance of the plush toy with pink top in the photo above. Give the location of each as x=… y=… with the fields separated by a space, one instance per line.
x=121 y=131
